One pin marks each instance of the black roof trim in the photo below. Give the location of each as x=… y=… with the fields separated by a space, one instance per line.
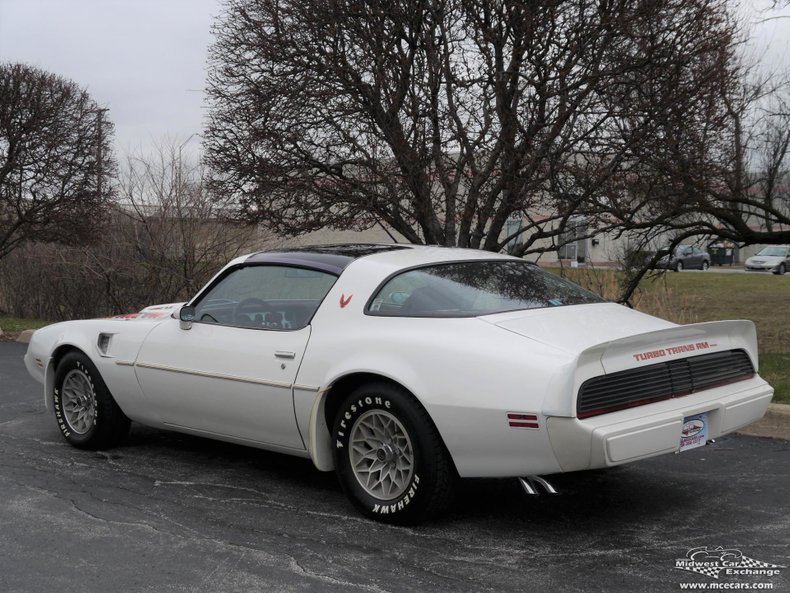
x=328 y=258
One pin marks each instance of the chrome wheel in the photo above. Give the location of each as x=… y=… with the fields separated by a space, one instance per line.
x=78 y=401
x=381 y=455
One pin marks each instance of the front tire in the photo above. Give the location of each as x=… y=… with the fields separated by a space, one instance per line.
x=705 y=265
x=780 y=270
x=87 y=415
x=389 y=457
x=679 y=266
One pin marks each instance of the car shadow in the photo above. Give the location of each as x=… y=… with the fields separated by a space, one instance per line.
x=589 y=498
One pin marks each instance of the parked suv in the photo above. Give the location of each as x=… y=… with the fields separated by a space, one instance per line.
x=773 y=258
x=685 y=257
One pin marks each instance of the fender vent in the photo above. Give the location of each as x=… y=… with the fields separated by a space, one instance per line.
x=665 y=380
x=103 y=343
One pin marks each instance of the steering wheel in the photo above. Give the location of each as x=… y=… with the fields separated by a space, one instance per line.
x=238 y=312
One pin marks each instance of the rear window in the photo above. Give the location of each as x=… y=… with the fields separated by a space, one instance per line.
x=469 y=289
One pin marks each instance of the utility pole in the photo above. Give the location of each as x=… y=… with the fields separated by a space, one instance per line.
x=178 y=170
x=100 y=141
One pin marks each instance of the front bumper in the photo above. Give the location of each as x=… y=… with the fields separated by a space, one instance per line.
x=761 y=268
x=653 y=429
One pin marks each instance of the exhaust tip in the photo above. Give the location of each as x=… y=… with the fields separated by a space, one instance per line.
x=532 y=485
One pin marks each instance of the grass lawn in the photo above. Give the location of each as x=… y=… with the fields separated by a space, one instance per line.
x=15 y=324
x=775 y=368
x=708 y=296
x=691 y=297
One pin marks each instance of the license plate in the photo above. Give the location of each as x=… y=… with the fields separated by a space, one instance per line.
x=694 y=432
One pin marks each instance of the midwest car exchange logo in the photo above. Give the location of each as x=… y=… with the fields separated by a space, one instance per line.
x=730 y=561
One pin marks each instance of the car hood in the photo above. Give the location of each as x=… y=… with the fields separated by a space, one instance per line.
x=768 y=259
x=151 y=313
x=575 y=328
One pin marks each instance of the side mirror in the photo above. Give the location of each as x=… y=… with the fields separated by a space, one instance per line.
x=186 y=315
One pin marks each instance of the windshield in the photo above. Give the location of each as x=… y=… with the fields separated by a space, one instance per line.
x=773 y=251
x=469 y=289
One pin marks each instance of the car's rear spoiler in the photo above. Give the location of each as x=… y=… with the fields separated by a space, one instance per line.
x=653 y=347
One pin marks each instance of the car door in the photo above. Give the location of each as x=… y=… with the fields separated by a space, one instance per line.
x=699 y=257
x=692 y=258
x=683 y=254
x=231 y=373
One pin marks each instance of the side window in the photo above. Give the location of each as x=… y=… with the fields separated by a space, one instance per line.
x=265 y=297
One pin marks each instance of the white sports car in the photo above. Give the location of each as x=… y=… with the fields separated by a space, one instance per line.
x=402 y=368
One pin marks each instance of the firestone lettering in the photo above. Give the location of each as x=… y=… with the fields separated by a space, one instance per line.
x=361 y=403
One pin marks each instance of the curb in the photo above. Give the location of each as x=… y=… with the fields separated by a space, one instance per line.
x=24 y=336
x=775 y=424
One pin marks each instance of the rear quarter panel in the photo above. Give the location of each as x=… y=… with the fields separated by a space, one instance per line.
x=468 y=374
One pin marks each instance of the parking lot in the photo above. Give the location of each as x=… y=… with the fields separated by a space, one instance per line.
x=168 y=512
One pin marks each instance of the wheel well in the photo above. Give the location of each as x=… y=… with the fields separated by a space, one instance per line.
x=347 y=384
x=60 y=352
x=54 y=361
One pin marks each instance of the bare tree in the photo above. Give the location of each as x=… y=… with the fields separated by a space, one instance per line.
x=165 y=239
x=177 y=237
x=726 y=178
x=443 y=119
x=55 y=159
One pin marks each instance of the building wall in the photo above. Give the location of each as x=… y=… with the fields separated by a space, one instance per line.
x=601 y=250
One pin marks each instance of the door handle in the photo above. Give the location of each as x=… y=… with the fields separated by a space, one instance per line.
x=284 y=354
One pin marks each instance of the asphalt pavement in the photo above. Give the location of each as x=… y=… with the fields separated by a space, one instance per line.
x=168 y=512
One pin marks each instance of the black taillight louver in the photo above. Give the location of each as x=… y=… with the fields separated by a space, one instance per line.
x=664 y=380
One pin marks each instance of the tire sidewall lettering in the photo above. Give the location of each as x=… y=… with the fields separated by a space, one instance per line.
x=392 y=508
x=356 y=407
x=57 y=402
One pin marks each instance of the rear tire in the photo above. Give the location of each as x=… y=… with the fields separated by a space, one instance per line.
x=705 y=265
x=780 y=270
x=389 y=457
x=87 y=415
x=679 y=266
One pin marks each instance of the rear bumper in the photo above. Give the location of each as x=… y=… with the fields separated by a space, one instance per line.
x=654 y=429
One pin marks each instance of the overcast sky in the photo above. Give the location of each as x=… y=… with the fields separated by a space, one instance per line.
x=146 y=59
